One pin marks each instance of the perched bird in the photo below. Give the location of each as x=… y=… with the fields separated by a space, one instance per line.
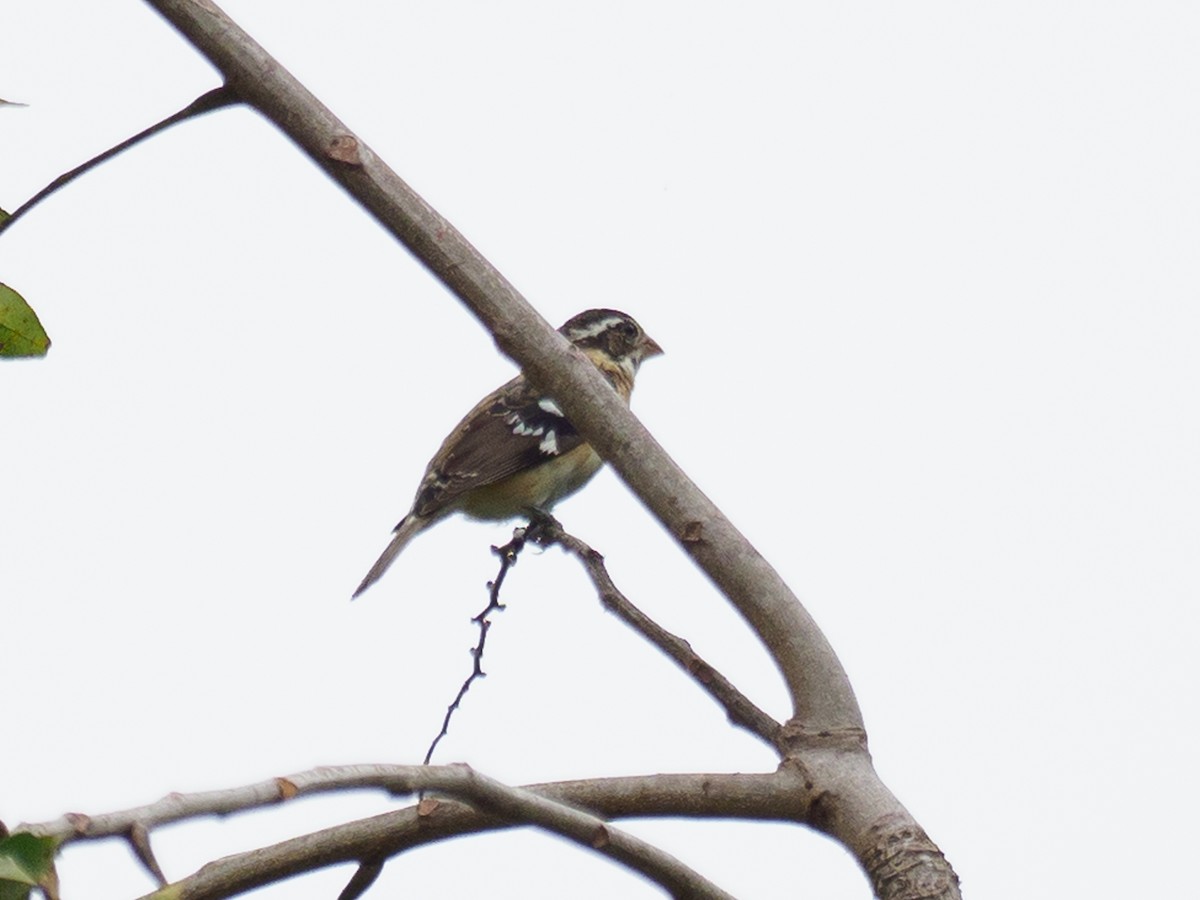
x=515 y=453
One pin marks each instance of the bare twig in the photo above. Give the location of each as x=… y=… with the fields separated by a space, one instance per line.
x=139 y=841
x=214 y=99
x=508 y=559
x=540 y=525
x=738 y=707
x=364 y=876
x=180 y=807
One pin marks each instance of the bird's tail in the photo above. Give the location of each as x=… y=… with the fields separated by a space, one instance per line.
x=407 y=529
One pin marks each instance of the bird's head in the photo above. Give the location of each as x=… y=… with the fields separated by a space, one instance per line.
x=614 y=341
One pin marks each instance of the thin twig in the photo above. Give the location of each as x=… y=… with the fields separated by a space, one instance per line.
x=139 y=841
x=738 y=707
x=508 y=558
x=364 y=876
x=214 y=99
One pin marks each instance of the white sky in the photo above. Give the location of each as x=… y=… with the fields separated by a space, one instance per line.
x=928 y=281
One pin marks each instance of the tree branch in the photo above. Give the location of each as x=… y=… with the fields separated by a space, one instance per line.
x=508 y=558
x=737 y=795
x=554 y=807
x=740 y=710
x=821 y=694
x=771 y=795
x=207 y=102
x=825 y=734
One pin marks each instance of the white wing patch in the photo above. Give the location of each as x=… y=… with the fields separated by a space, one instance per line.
x=522 y=429
x=549 y=443
x=519 y=427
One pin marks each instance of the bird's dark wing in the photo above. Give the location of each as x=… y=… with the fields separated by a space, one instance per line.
x=513 y=429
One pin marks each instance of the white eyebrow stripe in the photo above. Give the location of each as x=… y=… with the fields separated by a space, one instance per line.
x=596 y=328
x=548 y=405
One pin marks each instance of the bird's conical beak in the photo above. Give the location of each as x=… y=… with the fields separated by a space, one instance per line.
x=650 y=347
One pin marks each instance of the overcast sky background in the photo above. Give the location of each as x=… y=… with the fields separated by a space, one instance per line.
x=928 y=282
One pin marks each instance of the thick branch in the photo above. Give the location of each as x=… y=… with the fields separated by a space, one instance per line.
x=821 y=693
x=827 y=723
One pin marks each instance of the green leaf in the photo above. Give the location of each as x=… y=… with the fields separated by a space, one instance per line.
x=21 y=334
x=3 y=216
x=12 y=871
x=26 y=861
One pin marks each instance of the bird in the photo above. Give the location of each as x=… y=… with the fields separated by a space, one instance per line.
x=515 y=453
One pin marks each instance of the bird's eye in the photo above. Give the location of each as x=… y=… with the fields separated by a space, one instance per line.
x=628 y=329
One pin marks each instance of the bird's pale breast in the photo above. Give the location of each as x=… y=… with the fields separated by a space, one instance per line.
x=541 y=487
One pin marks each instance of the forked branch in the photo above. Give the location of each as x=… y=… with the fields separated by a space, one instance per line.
x=824 y=737
x=484 y=804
